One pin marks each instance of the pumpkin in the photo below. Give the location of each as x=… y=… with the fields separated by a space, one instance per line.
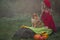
x=37 y=36
x=45 y=35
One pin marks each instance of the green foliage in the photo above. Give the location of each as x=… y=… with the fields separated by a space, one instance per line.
x=41 y=30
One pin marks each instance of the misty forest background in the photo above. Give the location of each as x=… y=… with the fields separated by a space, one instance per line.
x=14 y=13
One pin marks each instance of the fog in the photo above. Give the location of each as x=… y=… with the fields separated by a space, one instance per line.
x=13 y=8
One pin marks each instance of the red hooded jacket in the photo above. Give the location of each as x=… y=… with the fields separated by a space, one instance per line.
x=47 y=17
x=48 y=20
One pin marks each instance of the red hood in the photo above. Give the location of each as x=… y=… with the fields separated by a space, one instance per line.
x=47 y=3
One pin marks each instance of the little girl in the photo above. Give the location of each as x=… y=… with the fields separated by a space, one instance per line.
x=46 y=16
x=35 y=20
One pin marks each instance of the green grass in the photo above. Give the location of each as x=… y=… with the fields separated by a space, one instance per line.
x=8 y=26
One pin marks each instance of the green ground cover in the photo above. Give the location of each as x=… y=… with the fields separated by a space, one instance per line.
x=8 y=26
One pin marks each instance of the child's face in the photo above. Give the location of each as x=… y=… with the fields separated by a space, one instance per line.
x=35 y=17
